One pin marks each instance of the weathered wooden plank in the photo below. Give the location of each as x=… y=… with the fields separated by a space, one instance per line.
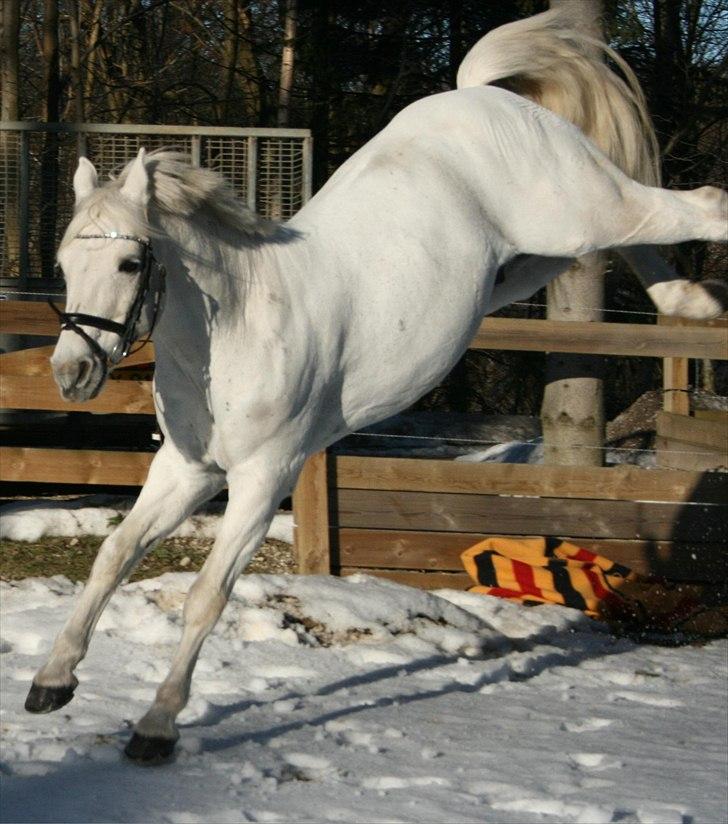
x=673 y=454
x=311 y=517
x=719 y=322
x=28 y=317
x=495 y=515
x=720 y=415
x=379 y=548
x=707 y=433
x=36 y=361
x=637 y=339
x=74 y=466
x=614 y=483
x=421 y=580
x=20 y=392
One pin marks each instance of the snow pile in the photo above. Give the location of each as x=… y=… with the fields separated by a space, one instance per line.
x=31 y=520
x=532 y=452
x=321 y=699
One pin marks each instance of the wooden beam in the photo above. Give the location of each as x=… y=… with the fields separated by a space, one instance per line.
x=36 y=361
x=621 y=483
x=496 y=515
x=129 y=397
x=717 y=323
x=311 y=517
x=74 y=466
x=28 y=317
x=386 y=549
x=710 y=434
x=636 y=339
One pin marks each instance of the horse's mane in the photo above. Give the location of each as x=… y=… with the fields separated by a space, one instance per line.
x=178 y=189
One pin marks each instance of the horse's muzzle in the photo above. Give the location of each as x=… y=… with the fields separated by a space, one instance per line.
x=79 y=379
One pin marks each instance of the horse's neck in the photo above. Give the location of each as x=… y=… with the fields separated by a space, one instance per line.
x=213 y=282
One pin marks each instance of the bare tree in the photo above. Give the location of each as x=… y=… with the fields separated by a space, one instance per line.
x=572 y=413
x=290 y=19
x=49 y=162
x=9 y=76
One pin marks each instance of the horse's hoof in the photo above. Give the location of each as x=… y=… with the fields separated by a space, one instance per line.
x=149 y=751
x=47 y=699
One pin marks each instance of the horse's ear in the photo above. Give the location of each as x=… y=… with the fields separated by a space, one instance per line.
x=85 y=179
x=136 y=185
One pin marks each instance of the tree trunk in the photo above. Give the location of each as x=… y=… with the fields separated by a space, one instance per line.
x=321 y=89
x=287 y=63
x=9 y=144
x=572 y=413
x=74 y=21
x=242 y=70
x=49 y=161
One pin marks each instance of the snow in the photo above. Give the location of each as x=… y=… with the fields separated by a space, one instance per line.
x=323 y=699
x=31 y=520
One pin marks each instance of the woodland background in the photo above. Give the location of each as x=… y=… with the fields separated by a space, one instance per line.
x=344 y=68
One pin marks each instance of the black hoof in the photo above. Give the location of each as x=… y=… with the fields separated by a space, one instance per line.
x=47 y=699
x=149 y=751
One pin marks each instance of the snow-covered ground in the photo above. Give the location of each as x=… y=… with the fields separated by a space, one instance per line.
x=321 y=699
x=31 y=520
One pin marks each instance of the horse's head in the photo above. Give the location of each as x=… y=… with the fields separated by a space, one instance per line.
x=113 y=283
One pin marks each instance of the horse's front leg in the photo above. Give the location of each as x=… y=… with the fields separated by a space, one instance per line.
x=173 y=490
x=254 y=490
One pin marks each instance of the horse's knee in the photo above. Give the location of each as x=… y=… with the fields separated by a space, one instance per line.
x=203 y=605
x=686 y=299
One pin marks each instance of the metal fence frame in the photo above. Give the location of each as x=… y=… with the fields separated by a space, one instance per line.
x=196 y=137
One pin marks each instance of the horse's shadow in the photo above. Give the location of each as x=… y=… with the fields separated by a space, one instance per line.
x=570 y=651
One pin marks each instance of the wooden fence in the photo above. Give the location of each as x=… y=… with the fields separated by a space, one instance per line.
x=409 y=519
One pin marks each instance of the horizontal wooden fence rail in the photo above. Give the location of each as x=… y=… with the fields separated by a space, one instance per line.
x=104 y=467
x=588 y=337
x=514 y=334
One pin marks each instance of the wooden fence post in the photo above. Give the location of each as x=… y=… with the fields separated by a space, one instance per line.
x=675 y=377
x=311 y=517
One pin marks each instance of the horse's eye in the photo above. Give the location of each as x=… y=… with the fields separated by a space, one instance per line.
x=129 y=266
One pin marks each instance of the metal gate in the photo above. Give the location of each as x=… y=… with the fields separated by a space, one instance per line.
x=268 y=168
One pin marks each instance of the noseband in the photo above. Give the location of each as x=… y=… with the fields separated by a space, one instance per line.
x=127 y=330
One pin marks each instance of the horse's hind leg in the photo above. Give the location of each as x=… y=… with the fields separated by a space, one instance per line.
x=254 y=491
x=607 y=210
x=172 y=491
x=671 y=293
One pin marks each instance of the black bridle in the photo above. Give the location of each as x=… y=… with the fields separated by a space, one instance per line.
x=126 y=330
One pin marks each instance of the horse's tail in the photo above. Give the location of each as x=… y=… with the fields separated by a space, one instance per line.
x=546 y=59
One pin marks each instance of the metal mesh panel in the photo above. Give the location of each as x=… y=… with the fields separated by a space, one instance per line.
x=111 y=152
x=51 y=164
x=229 y=157
x=37 y=167
x=10 y=203
x=279 y=177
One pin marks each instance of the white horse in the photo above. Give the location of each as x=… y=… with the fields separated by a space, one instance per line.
x=276 y=341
